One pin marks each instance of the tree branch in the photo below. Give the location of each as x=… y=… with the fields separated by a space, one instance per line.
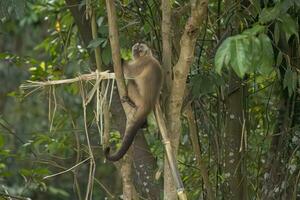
x=180 y=73
x=167 y=46
x=115 y=48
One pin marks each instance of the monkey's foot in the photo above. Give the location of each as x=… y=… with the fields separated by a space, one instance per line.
x=126 y=99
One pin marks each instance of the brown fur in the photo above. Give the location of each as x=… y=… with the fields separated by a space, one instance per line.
x=144 y=76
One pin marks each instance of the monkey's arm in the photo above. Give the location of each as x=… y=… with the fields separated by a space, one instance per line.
x=132 y=70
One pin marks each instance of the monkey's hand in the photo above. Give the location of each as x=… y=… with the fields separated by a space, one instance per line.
x=126 y=99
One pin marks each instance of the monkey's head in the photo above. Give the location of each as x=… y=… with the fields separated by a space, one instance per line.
x=140 y=50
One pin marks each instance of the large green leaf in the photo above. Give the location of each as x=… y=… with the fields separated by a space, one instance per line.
x=288 y=25
x=256 y=53
x=256 y=29
x=223 y=55
x=96 y=42
x=239 y=60
x=270 y=14
x=267 y=59
x=246 y=53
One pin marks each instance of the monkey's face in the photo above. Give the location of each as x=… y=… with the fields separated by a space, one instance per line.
x=139 y=50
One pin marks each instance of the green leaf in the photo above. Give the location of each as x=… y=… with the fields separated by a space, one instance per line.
x=223 y=56
x=96 y=42
x=276 y=33
x=1 y=140
x=255 y=53
x=279 y=59
x=147 y=28
x=267 y=58
x=288 y=25
x=256 y=29
x=239 y=60
x=290 y=81
x=100 y=21
x=58 y=191
x=269 y=14
x=284 y=5
x=106 y=55
x=203 y=84
x=25 y=172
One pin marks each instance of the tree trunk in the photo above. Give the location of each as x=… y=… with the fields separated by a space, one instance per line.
x=118 y=123
x=235 y=123
x=277 y=183
x=180 y=72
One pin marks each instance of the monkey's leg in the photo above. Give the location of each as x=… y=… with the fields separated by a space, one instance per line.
x=134 y=97
x=126 y=99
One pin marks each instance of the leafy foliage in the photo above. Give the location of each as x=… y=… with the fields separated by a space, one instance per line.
x=42 y=42
x=12 y=8
x=248 y=52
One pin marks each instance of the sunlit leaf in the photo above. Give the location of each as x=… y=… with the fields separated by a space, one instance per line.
x=256 y=29
x=58 y=191
x=267 y=58
x=96 y=42
x=239 y=60
x=100 y=21
x=256 y=49
x=223 y=56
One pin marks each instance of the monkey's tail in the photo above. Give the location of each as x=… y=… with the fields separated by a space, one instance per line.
x=129 y=135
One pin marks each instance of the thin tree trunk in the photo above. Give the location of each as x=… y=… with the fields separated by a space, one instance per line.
x=196 y=147
x=118 y=116
x=82 y=23
x=180 y=71
x=277 y=184
x=126 y=170
x=167 y=47
x=235 y=123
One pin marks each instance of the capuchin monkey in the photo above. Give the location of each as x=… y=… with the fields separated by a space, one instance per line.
x=144 y=76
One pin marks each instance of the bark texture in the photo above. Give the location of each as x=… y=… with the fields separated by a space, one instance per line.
x=180 y=73
x=196 y=148
x=167 y=47
x=277 y=183
x=232 y=141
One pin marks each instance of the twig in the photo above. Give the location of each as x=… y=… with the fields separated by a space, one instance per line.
x=14 y=197
x=83 y=77
x=104 y=188
x=169 y=153
x=65 y=171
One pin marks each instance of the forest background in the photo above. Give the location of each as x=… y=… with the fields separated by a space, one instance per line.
x=231 y=99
